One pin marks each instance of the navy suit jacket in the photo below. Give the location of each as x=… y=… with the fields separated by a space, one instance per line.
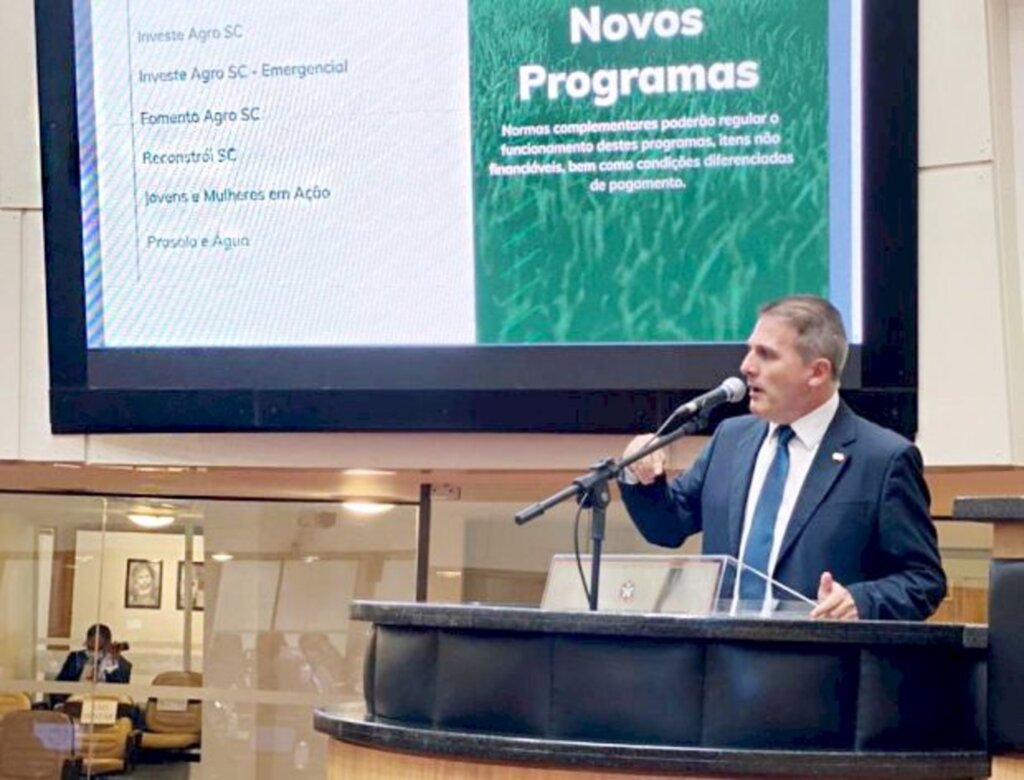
x=862 y=514
x=76 y=661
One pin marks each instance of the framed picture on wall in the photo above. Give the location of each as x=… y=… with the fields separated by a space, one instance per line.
x=142 y=584
x=196 y=587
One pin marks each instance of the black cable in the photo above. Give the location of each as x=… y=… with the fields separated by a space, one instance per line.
x=576 y=543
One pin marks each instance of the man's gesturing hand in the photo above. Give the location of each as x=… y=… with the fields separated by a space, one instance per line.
x=647 y=469
x=834 y=601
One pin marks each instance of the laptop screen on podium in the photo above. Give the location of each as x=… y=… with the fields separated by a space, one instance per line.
x=679 y=584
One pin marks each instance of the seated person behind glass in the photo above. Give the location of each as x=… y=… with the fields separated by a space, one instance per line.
x=100 y=661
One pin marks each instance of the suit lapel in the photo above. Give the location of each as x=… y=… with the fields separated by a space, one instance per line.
x=828 y=464
x=742 y=470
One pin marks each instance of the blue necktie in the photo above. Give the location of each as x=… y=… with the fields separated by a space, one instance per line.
x=762 y=527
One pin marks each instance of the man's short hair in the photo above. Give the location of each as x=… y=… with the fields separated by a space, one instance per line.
x=102 y=630
x=818 y=325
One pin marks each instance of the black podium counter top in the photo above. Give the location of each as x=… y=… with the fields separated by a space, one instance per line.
x=524 y=619
x=633 y=692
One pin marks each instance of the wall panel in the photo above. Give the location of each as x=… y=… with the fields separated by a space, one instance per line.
x=10 y=331
x=19 y=128
x=383 y=451
x=37 y=443
x=956 y=124
x=964 y=409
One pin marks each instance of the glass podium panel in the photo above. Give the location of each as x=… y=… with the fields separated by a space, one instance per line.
x=699 y=585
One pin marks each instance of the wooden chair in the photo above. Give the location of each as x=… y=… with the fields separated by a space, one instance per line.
x=173 y=728
x=106 y=746
x=13 y=702
x=38 y=745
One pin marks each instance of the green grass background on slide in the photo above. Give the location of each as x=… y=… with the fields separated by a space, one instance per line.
x=557 y=263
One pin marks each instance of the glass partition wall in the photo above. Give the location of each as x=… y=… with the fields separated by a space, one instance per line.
x=234 y=614
x=478 y=554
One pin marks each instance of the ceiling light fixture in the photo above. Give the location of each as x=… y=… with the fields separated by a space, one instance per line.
x=367 y=507
x=150 y=521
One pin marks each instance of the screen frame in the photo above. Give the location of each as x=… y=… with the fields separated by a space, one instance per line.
x=311 y=389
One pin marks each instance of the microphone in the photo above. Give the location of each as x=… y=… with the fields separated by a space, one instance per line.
x=730 y=391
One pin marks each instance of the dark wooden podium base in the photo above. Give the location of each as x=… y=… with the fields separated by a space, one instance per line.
x=495 y=693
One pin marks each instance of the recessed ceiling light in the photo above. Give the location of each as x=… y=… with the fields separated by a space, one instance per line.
x=150 y=521
x=222 y=557
x=368 y=473
x=367 y=507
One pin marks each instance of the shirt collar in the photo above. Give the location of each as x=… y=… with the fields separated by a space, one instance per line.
x=810 y=429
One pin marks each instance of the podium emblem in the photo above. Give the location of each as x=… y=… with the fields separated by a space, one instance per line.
x=627 y=591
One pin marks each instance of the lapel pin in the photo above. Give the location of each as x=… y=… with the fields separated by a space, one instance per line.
x=838 y=457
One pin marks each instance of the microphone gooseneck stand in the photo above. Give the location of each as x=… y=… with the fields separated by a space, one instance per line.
x=591 y=489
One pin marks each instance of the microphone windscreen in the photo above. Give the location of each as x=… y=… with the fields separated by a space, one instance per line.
x=735 y=389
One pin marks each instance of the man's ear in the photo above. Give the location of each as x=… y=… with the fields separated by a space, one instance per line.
x=821 y=372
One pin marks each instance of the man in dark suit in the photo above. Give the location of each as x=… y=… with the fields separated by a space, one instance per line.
x=823 y=501
x=101 y=661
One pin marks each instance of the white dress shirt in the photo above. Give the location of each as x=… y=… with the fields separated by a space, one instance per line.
x=104 y=665
x=808 y=431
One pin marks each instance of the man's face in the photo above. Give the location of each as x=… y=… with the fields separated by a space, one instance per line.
x=95 y=642
x=779 y=380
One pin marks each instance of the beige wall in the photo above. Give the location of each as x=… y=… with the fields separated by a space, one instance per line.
x=971 y=319
x=18 y=572
x=970 y=314
x=99 y=592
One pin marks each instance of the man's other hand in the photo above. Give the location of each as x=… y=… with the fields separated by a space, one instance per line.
x=647 y=469
x=834 y=601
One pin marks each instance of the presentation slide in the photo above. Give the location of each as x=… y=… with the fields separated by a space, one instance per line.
x=444 y=172
x=650 y=174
